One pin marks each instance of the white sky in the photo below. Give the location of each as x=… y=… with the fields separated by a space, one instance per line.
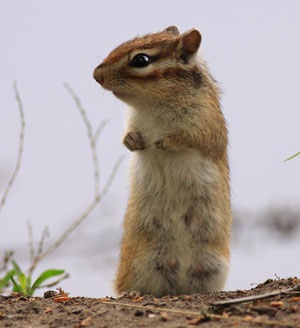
x=251 y=46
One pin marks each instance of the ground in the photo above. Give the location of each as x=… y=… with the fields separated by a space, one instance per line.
x=281 y=310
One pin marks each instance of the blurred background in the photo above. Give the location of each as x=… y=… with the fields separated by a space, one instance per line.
x=253 y=50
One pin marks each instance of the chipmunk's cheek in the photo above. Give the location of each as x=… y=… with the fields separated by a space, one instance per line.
x=121 y=95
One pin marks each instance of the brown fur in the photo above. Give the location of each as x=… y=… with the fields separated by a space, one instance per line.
x=177 y=224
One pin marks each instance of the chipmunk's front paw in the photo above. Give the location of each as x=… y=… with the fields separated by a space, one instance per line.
x=166 y=143
x=134 y=141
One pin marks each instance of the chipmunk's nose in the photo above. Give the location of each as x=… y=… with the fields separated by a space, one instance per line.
x=98 y=74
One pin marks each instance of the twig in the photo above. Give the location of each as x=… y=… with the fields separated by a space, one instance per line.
x=204 y=315
x=80 y=219
x=37 y=257
x=112 y=176
x=98 y=195
x=90 y=135
x=20 y=152
x=151 y=308
x=6 y=259
x=239 y=300
x=30 y=241
x=44 y=236
x=68 y=231
x=99 y=130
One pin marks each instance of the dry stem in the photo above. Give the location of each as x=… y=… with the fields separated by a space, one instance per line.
x=204 y=315
x=98 y=195
x=6 y=259
x=239 y=300
x=20 y=152
x=30 y=241
x=90 y=136
x=99 y=130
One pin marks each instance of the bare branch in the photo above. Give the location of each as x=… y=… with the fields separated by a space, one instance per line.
x=97 y=197
x=30 y=241
x=99 y=130
x=45 y=235
x=68 y=231
x=6 y=259
x=20 y=152
x=112 y=176
x=36 y=258
x=80 y=219
x=90 y=136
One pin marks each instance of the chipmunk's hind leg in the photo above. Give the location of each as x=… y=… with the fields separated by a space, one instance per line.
x=159 y=275
x=208 y=274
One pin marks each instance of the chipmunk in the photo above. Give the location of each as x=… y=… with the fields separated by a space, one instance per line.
x=178 y=220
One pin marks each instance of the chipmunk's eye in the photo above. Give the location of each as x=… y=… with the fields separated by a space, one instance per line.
x=140 y=60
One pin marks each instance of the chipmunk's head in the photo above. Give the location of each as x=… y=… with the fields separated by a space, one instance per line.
x=152 y=68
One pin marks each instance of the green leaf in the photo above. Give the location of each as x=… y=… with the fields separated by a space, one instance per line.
x=28 y=281
x=5 y=281
x=23 y=283
x=289 y=158
x=21 y=287
x=44 y=276
x=17 y=287
x=16 y=267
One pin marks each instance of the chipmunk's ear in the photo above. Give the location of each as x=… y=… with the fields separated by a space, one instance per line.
x=189 y=44
x=172 y=30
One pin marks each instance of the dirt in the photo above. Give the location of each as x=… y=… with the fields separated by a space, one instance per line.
x=281 y=310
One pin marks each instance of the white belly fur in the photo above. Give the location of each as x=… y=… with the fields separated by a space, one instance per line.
x=167 y=184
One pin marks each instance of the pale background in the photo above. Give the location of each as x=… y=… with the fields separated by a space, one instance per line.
x=253 y=50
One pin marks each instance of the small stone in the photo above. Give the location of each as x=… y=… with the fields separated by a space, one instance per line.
x=86 y=322
x=151 y=315
x=164 y=316
x=50 y=293
x=49 y=310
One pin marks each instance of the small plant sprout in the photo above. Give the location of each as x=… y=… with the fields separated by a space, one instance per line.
x=12 y=277
x=22 y=283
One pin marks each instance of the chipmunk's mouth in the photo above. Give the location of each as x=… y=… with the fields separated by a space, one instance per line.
x=120 y=94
